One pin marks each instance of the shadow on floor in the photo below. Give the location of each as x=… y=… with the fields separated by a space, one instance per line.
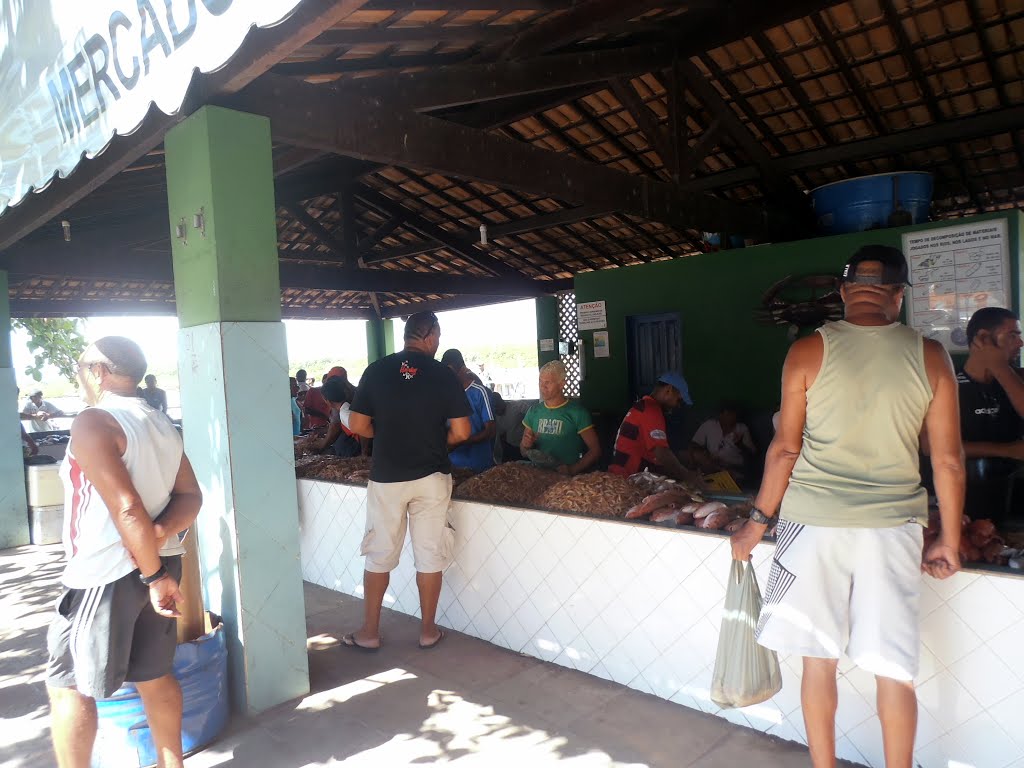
x=465 y=702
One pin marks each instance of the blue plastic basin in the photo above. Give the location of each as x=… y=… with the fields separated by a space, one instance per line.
x=714 y=239
x=201 y=669
x=856 y=205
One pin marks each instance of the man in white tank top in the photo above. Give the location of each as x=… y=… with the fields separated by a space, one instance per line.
x=843 y=471
x=129 y=493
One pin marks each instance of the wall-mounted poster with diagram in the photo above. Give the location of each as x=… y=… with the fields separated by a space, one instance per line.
x=955 y=271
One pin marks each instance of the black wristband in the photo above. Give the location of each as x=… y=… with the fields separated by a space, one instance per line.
x=147 y=580
x=759 y=517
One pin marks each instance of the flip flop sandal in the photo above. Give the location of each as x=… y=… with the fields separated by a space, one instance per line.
x=428 y=646
x=349 y=641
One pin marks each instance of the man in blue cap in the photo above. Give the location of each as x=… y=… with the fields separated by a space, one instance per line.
x=641 y=442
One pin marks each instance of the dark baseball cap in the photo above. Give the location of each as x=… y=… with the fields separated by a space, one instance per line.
x=894 y=266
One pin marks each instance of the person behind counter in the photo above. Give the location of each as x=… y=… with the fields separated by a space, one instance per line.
x=843 y=473
x=477 y=452
x=338 y=393
x=641 y=442
x=317 y=410
x=724 y=441
x=293 y=385
x=991 y=410
x=558 y=431
x=39 y=411
x=152 y=394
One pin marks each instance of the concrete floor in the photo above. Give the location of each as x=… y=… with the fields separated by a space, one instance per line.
x=466 y=702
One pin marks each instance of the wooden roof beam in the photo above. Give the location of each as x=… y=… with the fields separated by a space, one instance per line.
x=646 y=120
x=448 y=239
x=751 y=146
x=937 y=134
x=302 y=114
x=340 y=250
x=460 y=84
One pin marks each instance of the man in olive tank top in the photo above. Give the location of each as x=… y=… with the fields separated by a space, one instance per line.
x=843 y=474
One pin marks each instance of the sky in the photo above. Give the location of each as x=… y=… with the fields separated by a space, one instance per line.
x=511 y=323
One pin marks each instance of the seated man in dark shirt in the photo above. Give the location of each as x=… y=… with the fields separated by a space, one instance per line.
x=991 y=409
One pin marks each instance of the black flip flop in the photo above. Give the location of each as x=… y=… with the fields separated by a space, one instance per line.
x=349 y=641
x=428 y=646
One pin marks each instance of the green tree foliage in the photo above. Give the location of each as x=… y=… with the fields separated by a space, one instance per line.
x=52 y=341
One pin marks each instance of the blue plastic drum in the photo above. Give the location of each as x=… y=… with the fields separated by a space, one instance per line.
x=870 y=202
x=714 y=239
x=201 y=668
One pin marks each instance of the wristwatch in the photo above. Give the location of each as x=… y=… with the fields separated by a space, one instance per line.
x=757 y=516
x=147 y=580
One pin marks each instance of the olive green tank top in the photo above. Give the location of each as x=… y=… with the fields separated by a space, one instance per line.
x=859 y=464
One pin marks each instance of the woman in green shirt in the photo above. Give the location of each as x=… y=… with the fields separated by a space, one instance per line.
x=559 y=428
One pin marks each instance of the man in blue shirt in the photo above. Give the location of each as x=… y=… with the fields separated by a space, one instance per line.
x=477 y=452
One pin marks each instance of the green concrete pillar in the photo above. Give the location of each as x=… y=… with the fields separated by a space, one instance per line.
x=233 y=369
x=380 y=339
x=546 y=308
x=13 y=505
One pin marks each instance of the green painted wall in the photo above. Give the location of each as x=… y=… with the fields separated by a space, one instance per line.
x=547 y=327
x=726 y=353
x=220 y=160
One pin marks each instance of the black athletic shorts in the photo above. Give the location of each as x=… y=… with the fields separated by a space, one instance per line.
x=104 y=636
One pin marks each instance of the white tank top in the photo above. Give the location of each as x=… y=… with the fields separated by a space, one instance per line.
x=152 y=456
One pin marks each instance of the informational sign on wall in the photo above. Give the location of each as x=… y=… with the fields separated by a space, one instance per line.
x=547 y=345
x=601 y=344
x=955 y=271
x=591 y=316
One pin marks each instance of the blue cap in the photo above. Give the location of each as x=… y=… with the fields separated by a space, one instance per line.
x=676 y=380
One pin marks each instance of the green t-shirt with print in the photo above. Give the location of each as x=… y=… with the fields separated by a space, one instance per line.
x=558 y=430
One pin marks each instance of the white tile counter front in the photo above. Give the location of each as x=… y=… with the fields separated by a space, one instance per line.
x=641 y=605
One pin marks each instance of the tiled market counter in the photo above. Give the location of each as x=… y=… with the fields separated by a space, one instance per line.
x=640 y=605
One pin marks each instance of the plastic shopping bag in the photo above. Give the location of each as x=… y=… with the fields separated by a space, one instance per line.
x=745 y=672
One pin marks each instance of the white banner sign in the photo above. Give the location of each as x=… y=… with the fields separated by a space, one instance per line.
x=955 y=271
x=591 y=315
x=75 y=72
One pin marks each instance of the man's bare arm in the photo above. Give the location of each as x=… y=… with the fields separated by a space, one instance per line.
x=674 y=468
x=943 y=428
x=1009 y=379
x=360 y=424
x=459 y=430
x=183 y=508
x=485 y=435
x=798 y=374
x=1014 y=450
x=98 y=443
x=592 y=454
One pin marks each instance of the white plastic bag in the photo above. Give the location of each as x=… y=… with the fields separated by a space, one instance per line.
x=745 y=672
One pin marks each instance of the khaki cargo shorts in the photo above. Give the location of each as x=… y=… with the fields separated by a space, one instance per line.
x=422 y=505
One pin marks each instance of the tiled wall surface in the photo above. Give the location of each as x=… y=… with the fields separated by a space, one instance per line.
x=641 y=606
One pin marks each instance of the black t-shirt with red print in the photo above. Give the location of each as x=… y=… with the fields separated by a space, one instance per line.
x=410 y=398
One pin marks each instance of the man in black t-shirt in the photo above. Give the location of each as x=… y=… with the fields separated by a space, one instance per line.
x=991 y=409
x=414 y=408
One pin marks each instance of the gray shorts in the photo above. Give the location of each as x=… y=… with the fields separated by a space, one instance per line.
x=104 y=636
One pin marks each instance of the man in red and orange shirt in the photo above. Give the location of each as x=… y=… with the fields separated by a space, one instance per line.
x=641 y=442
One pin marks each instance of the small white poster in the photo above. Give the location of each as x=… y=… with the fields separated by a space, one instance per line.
x=591 y=316
x=601 y=344
x=547 y=345
x=955 y=271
